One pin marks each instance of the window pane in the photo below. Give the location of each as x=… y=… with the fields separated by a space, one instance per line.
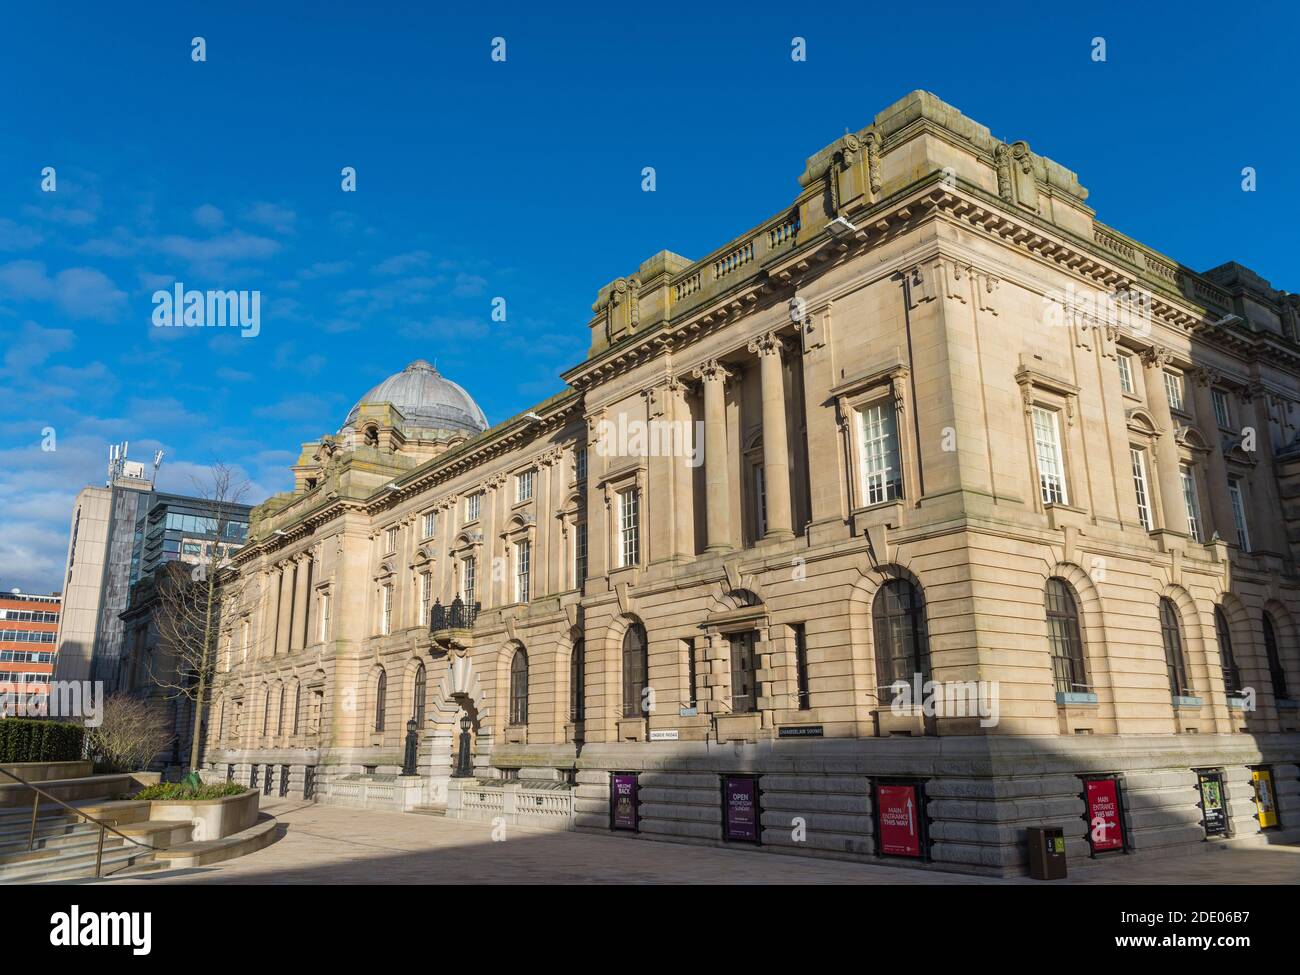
x=1047 y=448
x=878 y=453
x=1137 y=458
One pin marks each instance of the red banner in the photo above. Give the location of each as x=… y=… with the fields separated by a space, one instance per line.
x=899 y=815
x=1105 y=829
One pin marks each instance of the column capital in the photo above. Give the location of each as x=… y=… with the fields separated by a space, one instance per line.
x=1156 y=357
x=769 y=343
x=1205 y=376
x=711 y=371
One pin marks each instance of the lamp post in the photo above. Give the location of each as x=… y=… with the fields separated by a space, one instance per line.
x=412 y=746
x=464 y=767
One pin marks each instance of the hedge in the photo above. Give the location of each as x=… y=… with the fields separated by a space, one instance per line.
x=29 y=740
x=181 y=791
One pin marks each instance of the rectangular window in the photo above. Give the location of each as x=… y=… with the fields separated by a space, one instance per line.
x=390 y=540
x=430 y=520
x=1126 y=372
x=1220 y=401
x=1138 y=458
x=386 y=620
x=1174 y=390
x=324 y=616
x=426 y=593
x=1238 y=501
x=580 y=553
x=470 y=577
x=1051 y=463
x=580 y=463
x=760 y=502
x=1190 y=500
x=472 y=505
x=878 y=453
x=801 y=664
x=744 y=673
x=692 y=680
x=629 y=549
x=524 y=485
x=523 y=560
x=247 y=636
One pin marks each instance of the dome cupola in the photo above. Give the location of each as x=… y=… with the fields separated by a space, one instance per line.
x=432 y=406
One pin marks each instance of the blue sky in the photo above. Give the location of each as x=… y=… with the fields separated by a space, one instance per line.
x=521 y=179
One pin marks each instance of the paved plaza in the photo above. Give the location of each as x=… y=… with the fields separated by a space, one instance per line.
x=334 y=845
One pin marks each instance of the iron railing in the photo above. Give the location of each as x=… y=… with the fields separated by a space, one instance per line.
x=460 y=615
x=103 y=824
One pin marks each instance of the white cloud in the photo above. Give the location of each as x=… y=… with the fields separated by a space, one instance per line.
x=209 y=217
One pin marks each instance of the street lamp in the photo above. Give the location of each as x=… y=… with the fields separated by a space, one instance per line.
x=464 y=767
x=412 y=747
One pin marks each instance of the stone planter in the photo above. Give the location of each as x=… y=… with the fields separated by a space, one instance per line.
x=145 y=779
x=48 y=771
x=213 y=819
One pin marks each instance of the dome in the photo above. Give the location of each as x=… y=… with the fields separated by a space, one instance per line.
x=427 y=400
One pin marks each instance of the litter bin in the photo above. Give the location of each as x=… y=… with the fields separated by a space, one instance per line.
x=1046 y=853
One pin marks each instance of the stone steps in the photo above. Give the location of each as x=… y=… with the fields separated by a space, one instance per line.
x=430 y=809
x=76 y=863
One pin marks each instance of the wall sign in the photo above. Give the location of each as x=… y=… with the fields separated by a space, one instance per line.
x=800 y=731
x=1214 y=811
x=1104 y=815
x=665 y=734
x=1265 y=801
x=623 y=803
x=900 y=820
x=740 y=808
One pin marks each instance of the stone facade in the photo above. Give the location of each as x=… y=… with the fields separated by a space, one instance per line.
x=881 y=431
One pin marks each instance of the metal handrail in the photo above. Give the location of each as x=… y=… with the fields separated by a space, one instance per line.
x=101 y=823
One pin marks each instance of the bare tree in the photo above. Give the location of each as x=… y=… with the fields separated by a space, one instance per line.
x=187 y=612
x=131 y=735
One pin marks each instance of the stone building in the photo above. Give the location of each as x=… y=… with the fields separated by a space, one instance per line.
x=925 y=511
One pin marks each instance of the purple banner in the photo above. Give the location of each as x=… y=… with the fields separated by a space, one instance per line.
x=623 y=801
x=740 y=807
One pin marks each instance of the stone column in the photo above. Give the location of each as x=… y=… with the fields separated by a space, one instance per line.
x=1216 y=473
x=1172 y=506
x=776 y=451
x=1267 y=507
x=300 y=605
x=683 y=491
x=717 y=484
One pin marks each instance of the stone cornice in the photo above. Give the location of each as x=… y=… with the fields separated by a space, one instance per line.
x=1109 y=261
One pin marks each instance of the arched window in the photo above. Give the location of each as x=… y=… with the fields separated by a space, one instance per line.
x=279 y=713
x=519 y=687
x=1275 y=672
x=636 y=665
x=1172 y=636
x=417 y=706
x=902 y=646
x=1231 y=675
x=266 y=713
x=381 y=699
x=297 y=707
x=1064 y=637
x=577 y=683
